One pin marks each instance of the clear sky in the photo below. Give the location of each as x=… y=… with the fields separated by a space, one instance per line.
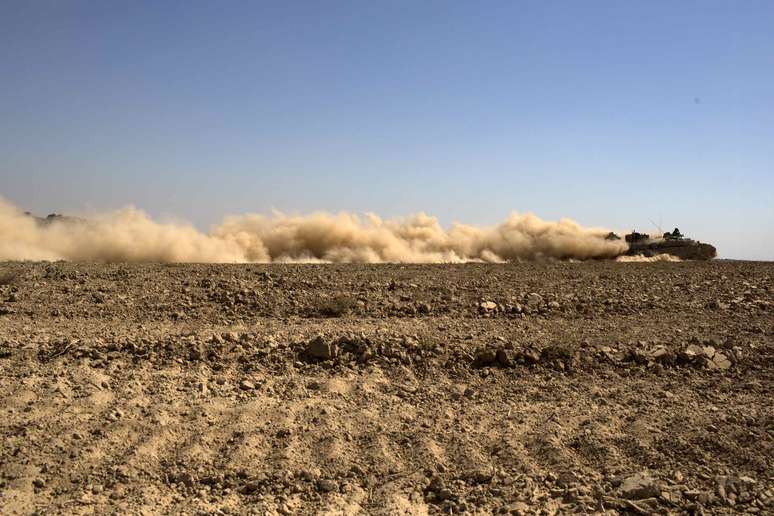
x=611 y=113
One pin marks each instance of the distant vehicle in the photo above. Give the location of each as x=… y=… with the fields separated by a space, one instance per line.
x=55 y=218
x=673 y=243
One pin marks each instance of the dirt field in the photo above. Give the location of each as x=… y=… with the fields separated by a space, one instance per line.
x=339 y=389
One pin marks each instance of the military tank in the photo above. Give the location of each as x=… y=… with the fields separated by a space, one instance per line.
x=674 y=243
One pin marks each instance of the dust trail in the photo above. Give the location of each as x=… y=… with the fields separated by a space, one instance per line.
x=648 y=259
x=129 y=235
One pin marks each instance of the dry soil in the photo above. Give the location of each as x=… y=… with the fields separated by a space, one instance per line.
x=340 y=389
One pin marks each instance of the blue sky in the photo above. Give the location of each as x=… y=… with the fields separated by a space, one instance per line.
x=611 y=113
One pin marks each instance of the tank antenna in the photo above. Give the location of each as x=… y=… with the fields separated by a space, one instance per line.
x=657 y=226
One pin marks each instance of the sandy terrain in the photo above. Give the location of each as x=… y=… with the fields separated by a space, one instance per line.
x=556 y=387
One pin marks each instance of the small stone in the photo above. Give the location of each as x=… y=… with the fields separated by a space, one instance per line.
x=436 y=484
x=719 y=361
x=326 y=486
x=246 y=385
x=518 y=508
x=704 y=497
x=250 y=487
x=318 y=348
x=488 y=306
x=639 y=486
x=506 y=357
x=481 y=476
x=185 y=478
x=692 y=494
x=308 y=474
x=717 y=305
x=444 y=494
x=566 y=479
x=534 y=299
x=485 y=358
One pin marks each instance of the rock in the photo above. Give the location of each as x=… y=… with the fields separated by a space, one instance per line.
x=197 y=352
x=719 y=361
x=327 y=486
x=250 y=487
x=717 y=305
x=533 y=299
x=185 y=478
x=230 y=336
x=566 y=479
x=444 y=494
x=480 y=476
x=639 y=486
x=706 y=356
x=518 y=508
x=692 y=494
x=488 y=306
x=246 y=385
x=660 y=354
x=319 y=348
x=485 y=358
x=309 y=474
x=692 y=351
x=554 y=305
x=530 y=356
x=436 y=484
x=506 y=357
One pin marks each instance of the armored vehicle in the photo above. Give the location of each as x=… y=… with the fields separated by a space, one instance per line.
x=673 y=243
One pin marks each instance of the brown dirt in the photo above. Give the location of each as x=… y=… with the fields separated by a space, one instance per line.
x=562 y=387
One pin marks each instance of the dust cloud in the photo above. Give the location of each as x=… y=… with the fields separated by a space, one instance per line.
x=130 y=235
x=648 y=259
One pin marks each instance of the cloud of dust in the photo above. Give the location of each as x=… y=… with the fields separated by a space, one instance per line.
x=648 y=259
x=130 y=235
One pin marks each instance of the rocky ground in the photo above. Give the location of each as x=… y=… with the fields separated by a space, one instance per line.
x=295 y=389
